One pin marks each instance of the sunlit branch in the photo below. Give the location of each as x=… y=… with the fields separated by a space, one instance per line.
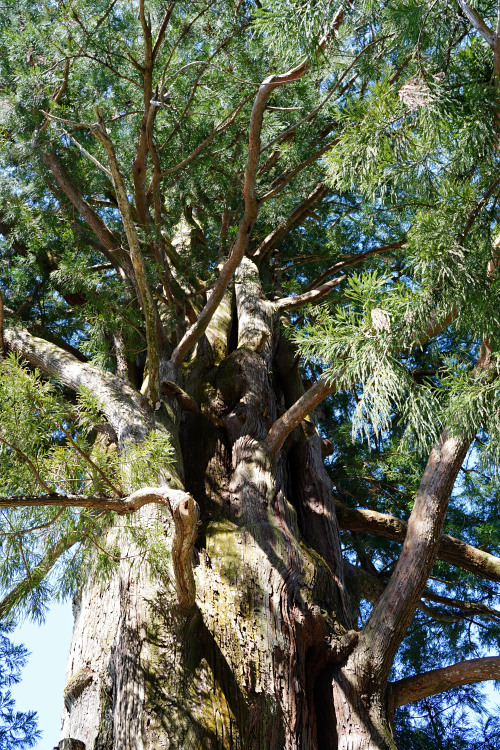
x=296 y=413
x=27 y=460
x=450 y=550
x=250 y=202
x=354 y=260
x=280 y=231
x=437 y=681
x=38 y=573
x=309 y=298
x=282 y=181
x=122 y=505
x=478 y=23
x=149 y=308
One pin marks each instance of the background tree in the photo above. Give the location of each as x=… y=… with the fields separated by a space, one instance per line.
x=17 y=728
x=250 y=303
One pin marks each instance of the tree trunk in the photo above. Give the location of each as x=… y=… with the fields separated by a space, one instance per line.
x=257 y=661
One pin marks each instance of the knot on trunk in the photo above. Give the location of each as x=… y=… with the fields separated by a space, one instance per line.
x=186 y=513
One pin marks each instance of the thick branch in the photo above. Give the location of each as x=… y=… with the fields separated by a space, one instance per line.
x=392 y=614
x=369 y=586
x=439 y=680
x=478 y=23
x=185 y=513
x=450 y=550
x=296 y=413
x=109 y=243
x=122 y=505
x=120 y=403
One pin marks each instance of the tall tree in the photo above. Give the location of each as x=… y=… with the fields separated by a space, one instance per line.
x=249 y=328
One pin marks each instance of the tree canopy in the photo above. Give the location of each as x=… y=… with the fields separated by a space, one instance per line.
x=350 y=153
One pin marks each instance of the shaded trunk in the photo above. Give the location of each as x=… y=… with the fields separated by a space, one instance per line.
x=257 y=662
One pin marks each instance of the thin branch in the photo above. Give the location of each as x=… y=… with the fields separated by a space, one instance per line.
x=436 y=681
x=162 y=30
x=309 y=298
x=29 y=462
x=111 y=246
x=149 y=308
x=281 y=182
x=264 y=249
x=2 y=340
x=250 y=202
x=223 y=125
x=89 y=460
x=354 y=260
x=38 y=573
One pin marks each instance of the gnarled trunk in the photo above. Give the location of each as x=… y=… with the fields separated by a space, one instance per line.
x=260 y=660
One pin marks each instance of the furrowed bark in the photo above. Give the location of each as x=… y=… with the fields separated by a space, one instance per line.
x=436 y=681
x=450 y=550
x=394 y=610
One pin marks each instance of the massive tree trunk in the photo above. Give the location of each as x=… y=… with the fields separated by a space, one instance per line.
x=250 y=665
x=247 y=641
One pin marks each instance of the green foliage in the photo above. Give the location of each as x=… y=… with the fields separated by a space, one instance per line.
x=404 y=97
x=17 y=728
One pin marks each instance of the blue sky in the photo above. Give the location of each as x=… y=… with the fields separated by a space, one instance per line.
x=43 y=677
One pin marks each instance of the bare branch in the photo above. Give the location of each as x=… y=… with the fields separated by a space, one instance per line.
x=277 y=234
x=281 y=182
x=488 y=35
x=120 y=403
x=296 y=413
x=450 y=550
x=391 y=615
x=122 y=505
x=110 y=245
x=163 y=28
x=309 y=298
x=250 y=203
x=148 y=304
x=436 y=681
x=354 y=260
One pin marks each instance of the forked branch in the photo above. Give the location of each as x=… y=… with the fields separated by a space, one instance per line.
x=251 y=206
